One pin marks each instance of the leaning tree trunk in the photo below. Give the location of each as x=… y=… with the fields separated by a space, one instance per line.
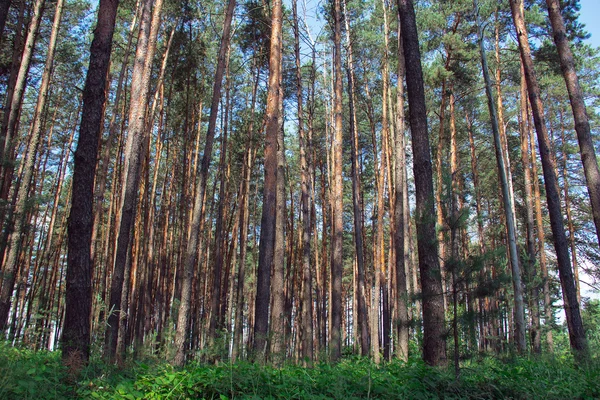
x=508 y=206
x=561 y=246
x=434 y=342
x=78 y=306
x=582 y=125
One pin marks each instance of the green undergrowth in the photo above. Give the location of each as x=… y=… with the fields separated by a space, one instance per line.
x=39 y=375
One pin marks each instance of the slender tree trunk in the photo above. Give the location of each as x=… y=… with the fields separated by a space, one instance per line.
x=76 y=331
x=582 y=125
x=134 y=149
x=454 y=218
x=106 y=147
x=244 y=221
x=337 y=200
x=13 y=106
x=199 y=195
x=362 y=317
x=570 y=226
x=385 y=139
x=268 y=221
x=434 y=343
x=508 y=206
x=307 y=302
x=215 y=323
x=402 y=323
x=29 y=159
x=565 y=272
x=529 y=222
x=278 y=282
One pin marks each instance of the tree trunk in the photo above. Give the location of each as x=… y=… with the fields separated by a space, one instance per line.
x=307 y=302
x=434 y=343
x=76 y=331
x=570 y=226
x=337 y=200
x=402 y=323
x=508 y=206
x=268 y=222
x=13 y=106
x=362 y=317
x=278 y=311
x=565 y=272
x=134 y=154
x=582 y=125
x=529 y=222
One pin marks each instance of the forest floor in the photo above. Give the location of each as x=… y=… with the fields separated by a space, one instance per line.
x=40 y=375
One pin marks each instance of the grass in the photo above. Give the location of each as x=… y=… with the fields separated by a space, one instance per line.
x=40 y=375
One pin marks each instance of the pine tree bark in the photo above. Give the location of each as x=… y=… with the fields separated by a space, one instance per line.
x=78 y=302
x=572 y=309
x=267 y=223
x=278 y=334
x=134 y=154
x=434 y=343
x=402 y=323
x=337 y=192
x=582 y=125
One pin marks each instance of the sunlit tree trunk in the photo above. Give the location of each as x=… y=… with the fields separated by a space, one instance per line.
x=134 y=154
x=268 y=221
x=400 y=214
x=279 y=328
x=337 y=193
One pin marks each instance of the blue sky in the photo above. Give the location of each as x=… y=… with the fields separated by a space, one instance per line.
x=589 y=15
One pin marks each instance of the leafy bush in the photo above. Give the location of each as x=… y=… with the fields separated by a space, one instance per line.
x=40 y=375
x=353 y=379
x=26 y=374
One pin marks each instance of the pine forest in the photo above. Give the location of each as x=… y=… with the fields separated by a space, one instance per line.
x=298 y=184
